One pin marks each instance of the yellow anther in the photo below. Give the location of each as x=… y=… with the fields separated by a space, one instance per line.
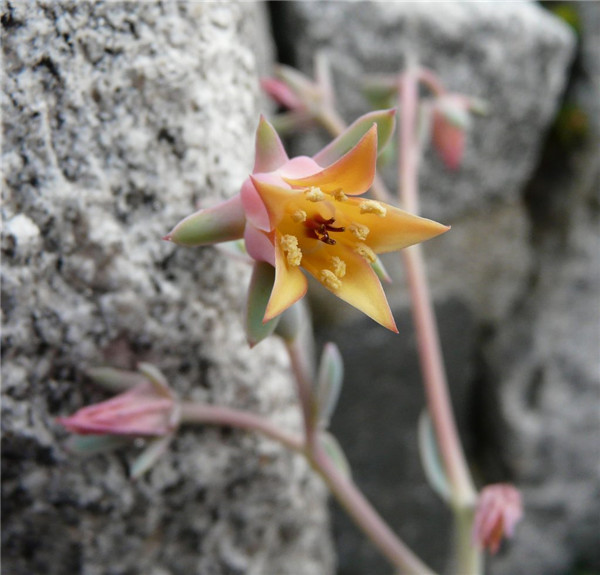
x=339 y=195
x=299 y=216
x=289 y=245
x=338 y=266
x=330 y=280
x=366 y=252
x=315 y=195
x=359 y=231
x=372 y=207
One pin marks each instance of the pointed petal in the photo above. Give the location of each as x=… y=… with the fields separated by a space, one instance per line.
x=290 y=285
x=353 y=172
x=270 y=153
x=275 y=199
x=221 y=223
x=360 y=287
x=261 y=286
x=394 y=231
x=386 y=122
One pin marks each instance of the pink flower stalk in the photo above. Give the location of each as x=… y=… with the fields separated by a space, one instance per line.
x=450 y=123
x=144 y=410
x=499 y=509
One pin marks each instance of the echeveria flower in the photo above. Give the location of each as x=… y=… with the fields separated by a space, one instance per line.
x=306 y=214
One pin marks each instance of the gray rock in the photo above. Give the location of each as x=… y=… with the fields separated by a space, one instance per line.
x=118 y=118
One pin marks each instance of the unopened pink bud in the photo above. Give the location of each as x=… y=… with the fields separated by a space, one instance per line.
x=141 y=411
x=450 y=122
x=499 y=509
x=281 y=93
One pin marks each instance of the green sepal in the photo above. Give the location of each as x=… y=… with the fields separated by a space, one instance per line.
x=431 y=459
x=152 y=452
x=221 y=223
x=329 y=383
x=386 y=122
x=115 y=380
x=85 y=445
x=380 y=270
x=270 y=153
x=335 y=452
x=259 y=292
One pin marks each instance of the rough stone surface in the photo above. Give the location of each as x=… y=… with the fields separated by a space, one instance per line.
x=543 y=379
x=118 y=118
x=521 y=262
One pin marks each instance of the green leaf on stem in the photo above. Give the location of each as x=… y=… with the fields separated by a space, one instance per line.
x=148 y=457
x=329 y=383
x=431 y=458
x=157 y=379
x=259 y=292
x=93 y=444
x=386 y=122
x=115 y=380
x=335 y=452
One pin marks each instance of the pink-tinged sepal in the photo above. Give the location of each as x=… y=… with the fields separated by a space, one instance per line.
x=270 y=153
x=498 y=511
x=385 y=120
x=259 y=292
x=221 y=223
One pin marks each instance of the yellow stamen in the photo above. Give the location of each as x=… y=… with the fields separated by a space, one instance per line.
x=289 y=245
x=330 y=280
x=299 y=216
x=359 y=231
x=339 y=195
x=366 y=252
x=338 y=266
x=315 y=195
x=372 y=207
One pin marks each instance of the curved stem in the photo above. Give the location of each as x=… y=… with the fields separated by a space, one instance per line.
x=201 y=413
x=365 y=516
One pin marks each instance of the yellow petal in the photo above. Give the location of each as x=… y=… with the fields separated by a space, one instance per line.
x=353 y=173
x=396 y=230
x=290 y=284
x=275 y=199
x=360 y=286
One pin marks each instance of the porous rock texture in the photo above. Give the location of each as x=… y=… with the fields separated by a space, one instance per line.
x=516 y=280
x=118 y=118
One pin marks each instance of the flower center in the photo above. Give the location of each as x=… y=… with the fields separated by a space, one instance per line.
x=319 y=228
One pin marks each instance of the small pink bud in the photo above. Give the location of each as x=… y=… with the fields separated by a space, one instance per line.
x=144 y=410
x=499 y=509
x=281 y=93
x=450 y=122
